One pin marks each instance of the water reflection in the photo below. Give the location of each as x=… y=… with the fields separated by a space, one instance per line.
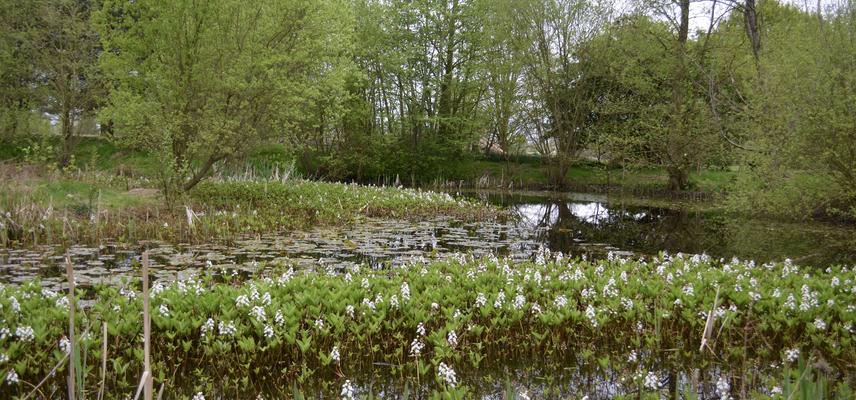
x=581 y=225
x=589 y=224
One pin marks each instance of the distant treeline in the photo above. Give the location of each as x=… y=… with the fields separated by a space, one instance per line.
x=362 y=89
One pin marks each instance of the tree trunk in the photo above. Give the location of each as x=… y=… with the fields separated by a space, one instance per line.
x=750 y=18
x=678 y=178
x=676 y=167
x=201 y=172
x=68 y=137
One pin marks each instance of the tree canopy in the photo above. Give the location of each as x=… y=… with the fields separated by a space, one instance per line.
x=366 y=89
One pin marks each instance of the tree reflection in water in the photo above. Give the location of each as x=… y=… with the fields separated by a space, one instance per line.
x=591 y=225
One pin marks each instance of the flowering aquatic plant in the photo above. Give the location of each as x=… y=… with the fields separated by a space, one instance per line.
x=615 y=314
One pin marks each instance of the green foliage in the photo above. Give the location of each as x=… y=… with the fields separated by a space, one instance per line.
x=198 y=82
x=805 y=161
x=283 y=326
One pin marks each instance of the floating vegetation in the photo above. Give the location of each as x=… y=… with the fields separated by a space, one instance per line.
x=460 y=327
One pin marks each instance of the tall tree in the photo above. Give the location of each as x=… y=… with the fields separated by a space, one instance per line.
x=18 y=30
x=66 y=67
x=556 y=31
x=195 y=82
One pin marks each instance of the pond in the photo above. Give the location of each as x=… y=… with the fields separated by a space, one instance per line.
x=579 y=223
x=576 y=224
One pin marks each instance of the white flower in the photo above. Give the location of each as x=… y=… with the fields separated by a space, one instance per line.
x=792 y=355
x=258 y=313
x=435 y=306
x=590 y=314
x=452 y=338
x=349 y=310
x=163 y=310
x=481 y=300
x=242 y=301
x=632 y=357
x=776 y=390
x=25 y=333
x=3 y=358
x=519 y=301
x=755 y=296
x=285 y=277
x=393 y=301
x=652 y=381
x=405 y=291
x=61 y=302
x=447 y=374
x=65 y=345
x=268 y=332
x=12 y=377
x=790 y=303
x=416 y=347
x=819 y=324
x=16 y=307
x=722 y=387
x=198 y=396
x=319 y=323
x=627 y=303
x=348 y=391
x=561 y=301
x=420 y=329
x=500 y=298
x=365 y=283
x=278 y=318
x=227 y=328
x=334 y=354
x=207 y=327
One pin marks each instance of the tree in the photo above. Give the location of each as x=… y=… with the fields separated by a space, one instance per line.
x=195 y=82
x=555 y=32
x=502 y=67
x=805 y=131
x=18 y=28
x=66 y=68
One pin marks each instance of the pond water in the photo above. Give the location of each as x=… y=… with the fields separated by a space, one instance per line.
x=575 y=224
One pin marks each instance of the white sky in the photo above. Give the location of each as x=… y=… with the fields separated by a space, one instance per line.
x=700 y=9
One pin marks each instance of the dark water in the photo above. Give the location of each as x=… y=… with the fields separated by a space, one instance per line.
x=577 y=223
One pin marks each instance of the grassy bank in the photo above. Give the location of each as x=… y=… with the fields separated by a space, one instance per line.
x=38 y=207
x=456 y=327
x=591 y=177
x=520 y=173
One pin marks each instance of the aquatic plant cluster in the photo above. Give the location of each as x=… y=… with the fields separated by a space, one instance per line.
x=324 y=201
x=436 y=324
x=221 y=210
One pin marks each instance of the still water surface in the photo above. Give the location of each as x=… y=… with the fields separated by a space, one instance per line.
x=576 y=224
